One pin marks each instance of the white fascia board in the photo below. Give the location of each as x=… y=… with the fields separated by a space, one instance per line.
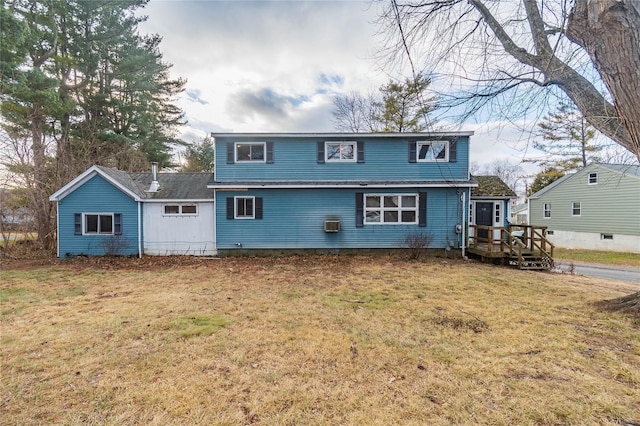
x=332 y=186
x=84 y=177
x=179 y=200
x=356 y=136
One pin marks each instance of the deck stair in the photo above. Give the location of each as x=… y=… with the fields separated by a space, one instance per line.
x=522 y=246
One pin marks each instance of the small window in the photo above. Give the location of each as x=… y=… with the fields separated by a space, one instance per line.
x=471 y=218
x=246 y=152
x=100 y=224
x=606 y=236
x=593 y=179
x=549 y=232
x=547 y=210
x=498 y=218
x=575 y=209
x=433 y=151
x=245 y=208
x=340 y=151
x=391 y=209
x=189 y=209
x=171 y=209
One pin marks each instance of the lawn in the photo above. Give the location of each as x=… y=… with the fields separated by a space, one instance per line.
x=311 y=340
x=596 y=256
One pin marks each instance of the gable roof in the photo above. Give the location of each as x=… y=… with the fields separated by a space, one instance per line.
x=623 y=169
x=172 y=186
x=491 y=187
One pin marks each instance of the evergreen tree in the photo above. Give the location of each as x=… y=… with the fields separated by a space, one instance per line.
x=545 y=178
x=79 y=80
x=398 y=107
x=200 y=156
x=567 y=141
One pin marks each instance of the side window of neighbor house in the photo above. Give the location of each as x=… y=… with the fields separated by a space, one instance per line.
x=547 y=210
x=576 y=209
x=97 y=224
x=592 y=179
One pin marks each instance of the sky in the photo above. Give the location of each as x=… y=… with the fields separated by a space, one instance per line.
x=275 y=66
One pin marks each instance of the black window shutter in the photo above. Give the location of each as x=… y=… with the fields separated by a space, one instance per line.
x=320 y=152
x=269 y=152
x=117 y=223
x=77 y=224
x=360 y=151
x=359 y=209
x=453 y=151
x=258 y=207
x=422 y=209
x=412 y=152
x=231 y=155
x=230 y=208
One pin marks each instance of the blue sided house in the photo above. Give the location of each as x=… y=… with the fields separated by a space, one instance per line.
x=334 y=191
x=278 y=191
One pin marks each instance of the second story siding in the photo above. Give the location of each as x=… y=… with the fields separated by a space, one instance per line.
x=339 y=157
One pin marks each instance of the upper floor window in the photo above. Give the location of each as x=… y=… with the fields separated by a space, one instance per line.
x=340 y=151
x=254 y=151
x=433 y=151
x=391 y=209
x=547 y=210
x=593 y=179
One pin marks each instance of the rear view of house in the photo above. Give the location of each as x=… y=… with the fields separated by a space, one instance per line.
x=595 y=208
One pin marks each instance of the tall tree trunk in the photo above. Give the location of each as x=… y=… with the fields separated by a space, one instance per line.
x=609 y=30
x=41 y=204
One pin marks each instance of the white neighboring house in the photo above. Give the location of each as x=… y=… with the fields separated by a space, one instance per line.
x=596 y=208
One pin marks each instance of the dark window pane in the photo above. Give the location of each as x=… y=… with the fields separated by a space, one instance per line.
x=189 y=210
x=390 y=217
x=91 y=223
x=409 y=216
x=106 y=224
x=171 y=210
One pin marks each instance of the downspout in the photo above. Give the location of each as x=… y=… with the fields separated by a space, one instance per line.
x=139 y=231
x=58 y=228
x=464 y=224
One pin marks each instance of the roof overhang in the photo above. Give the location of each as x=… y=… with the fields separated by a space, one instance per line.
x=343 y=135
x=243 y=185
x=86 y=176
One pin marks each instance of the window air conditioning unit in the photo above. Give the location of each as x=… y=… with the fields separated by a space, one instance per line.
x=331 y=225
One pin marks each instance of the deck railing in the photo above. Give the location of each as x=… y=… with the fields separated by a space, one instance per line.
x=519 y=241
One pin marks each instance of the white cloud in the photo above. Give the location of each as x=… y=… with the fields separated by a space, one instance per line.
x=274 y=66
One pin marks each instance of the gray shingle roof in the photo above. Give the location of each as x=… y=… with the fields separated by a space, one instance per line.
x=172 y=186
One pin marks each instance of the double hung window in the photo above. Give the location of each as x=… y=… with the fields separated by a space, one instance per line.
x=546 y=210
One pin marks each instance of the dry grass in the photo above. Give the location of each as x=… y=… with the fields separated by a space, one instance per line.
x=317 y=340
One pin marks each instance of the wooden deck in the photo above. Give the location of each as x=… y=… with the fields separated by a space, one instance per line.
x=523 y=246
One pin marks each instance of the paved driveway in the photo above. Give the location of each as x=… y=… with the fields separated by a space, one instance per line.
x=620 y=273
